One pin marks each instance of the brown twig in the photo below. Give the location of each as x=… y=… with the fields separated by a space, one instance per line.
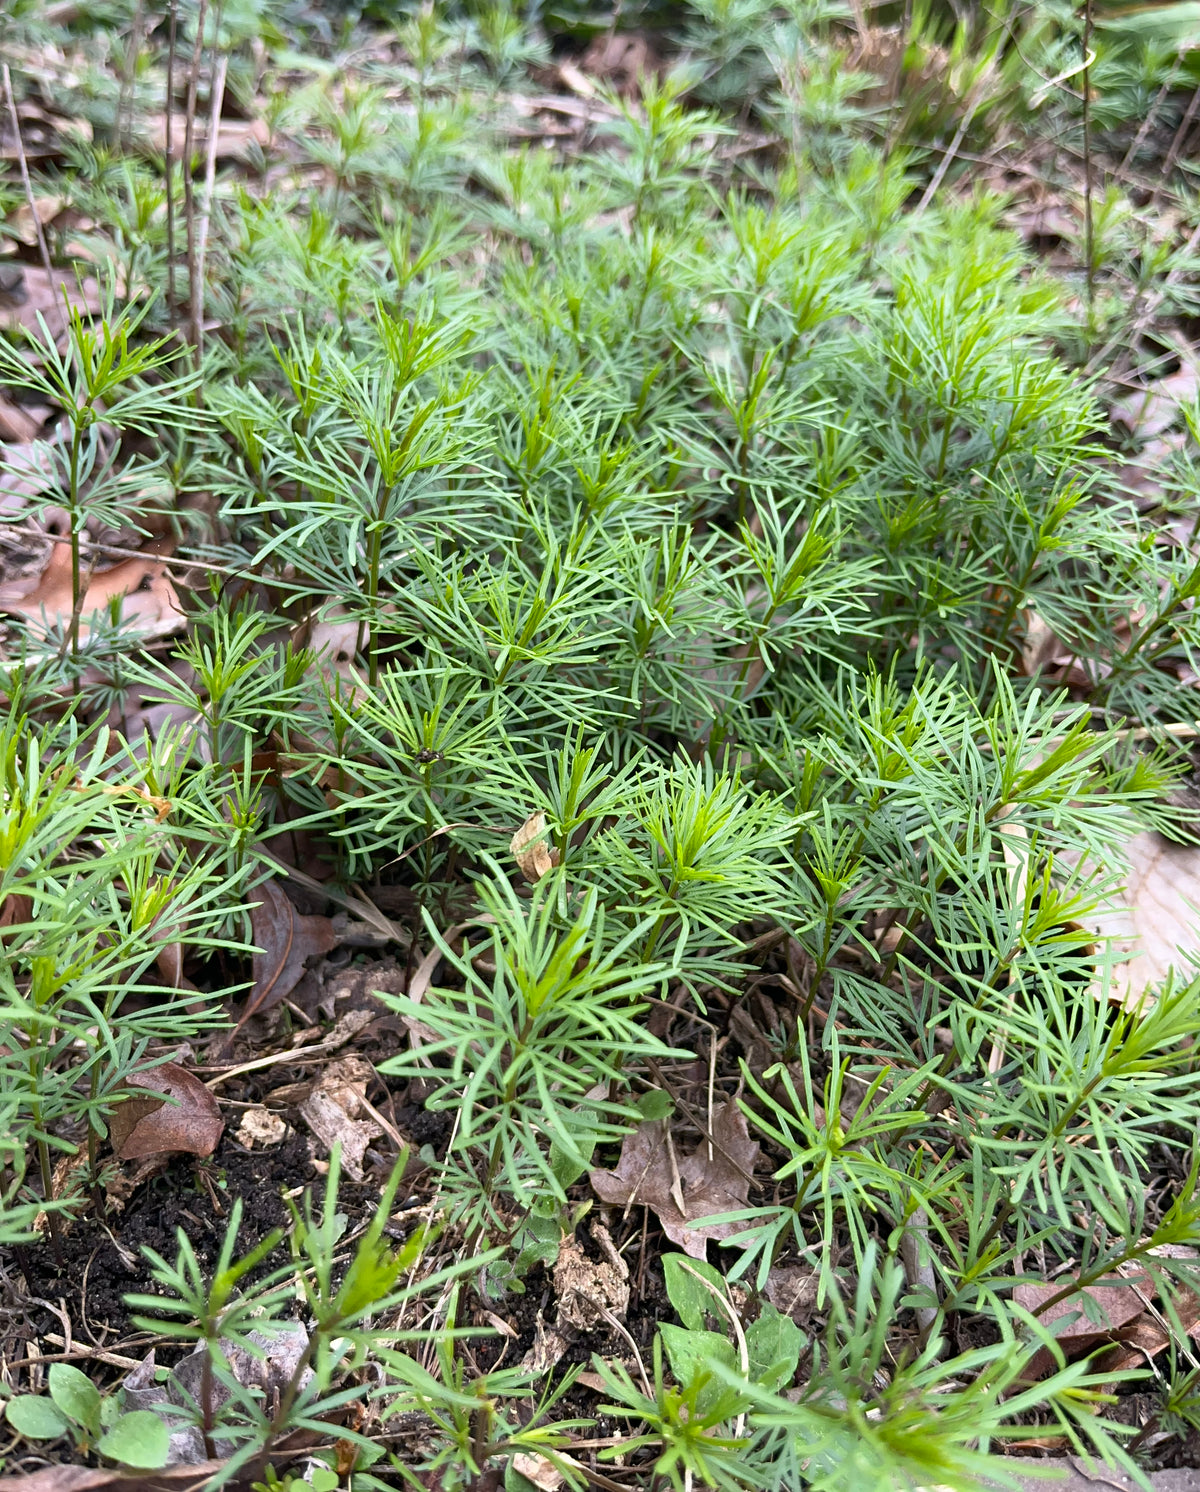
x=116 y=551
x=195 y=295
x=43 y=247
x=1088 y=220
x=947 y=159
x=210 y=177
x=170 y=164
x=1185 y=125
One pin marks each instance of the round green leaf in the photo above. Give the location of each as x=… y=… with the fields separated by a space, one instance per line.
x=76 y=1395
x=35 y=1417
x=656 y=1104
x=138 y=1438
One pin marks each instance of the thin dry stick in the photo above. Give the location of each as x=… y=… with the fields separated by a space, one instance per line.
x=210 y=177
x=28 y=530
x=29 y=197
x=189 y=200
x=1147 y=123
x=170 y=166
x=1176 y=144
x=944 y=164
x=1088 y=221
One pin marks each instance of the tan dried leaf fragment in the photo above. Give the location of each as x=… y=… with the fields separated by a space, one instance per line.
x=260 y=1129
x=332 y=1111
x=587 y=1289
x=533 y=856
x=538 y=1470
x=149 y=604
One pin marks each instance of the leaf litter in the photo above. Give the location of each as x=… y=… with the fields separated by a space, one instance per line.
x=684 y=1189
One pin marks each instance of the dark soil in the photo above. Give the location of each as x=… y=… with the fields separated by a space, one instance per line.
x=94 y=1274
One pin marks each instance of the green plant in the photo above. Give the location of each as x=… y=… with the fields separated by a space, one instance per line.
x=75 y=1407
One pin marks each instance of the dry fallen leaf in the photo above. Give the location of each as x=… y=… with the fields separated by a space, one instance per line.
x=792 y=1290
x=149 y=605
x=539 y=1471
x=649 y=1172
x=43 y=293
x=588 y=1288
x=17 y=424
x=188 y=1121
x=1159 y=923
x=547 y=1350
x=288 y=940
x=1142 y=1340
x=236 y=138
x=66 y=1478
x=331 y=1111
x=534 y=857
x=1119 y=1304
x=1150 y=411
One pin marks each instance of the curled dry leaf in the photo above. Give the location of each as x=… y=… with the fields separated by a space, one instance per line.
x=650 y=1172
x=1115 y=1306
x=547 y=1350
x=287 y=940
x=533 y=856
x=187 y=1121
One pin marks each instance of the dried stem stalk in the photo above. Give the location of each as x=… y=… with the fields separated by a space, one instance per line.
x=195 y=292
x=43 y=247
x=173 y=27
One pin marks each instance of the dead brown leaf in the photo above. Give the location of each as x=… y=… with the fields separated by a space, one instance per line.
x=539 y=1471
x=149 y=604
x=288 y=940
x=333 y=1108
x=650 y=1172
x=43 y=294
x=587 y=1289
x=187 y=1121
x=1119 y=1304
x=15 y=911
x=1149 y=1335
x=65 y=1478
x=1149 y=412
x=534 y=858
x=16 y=424
x=1158 y=922
x=236 y=138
